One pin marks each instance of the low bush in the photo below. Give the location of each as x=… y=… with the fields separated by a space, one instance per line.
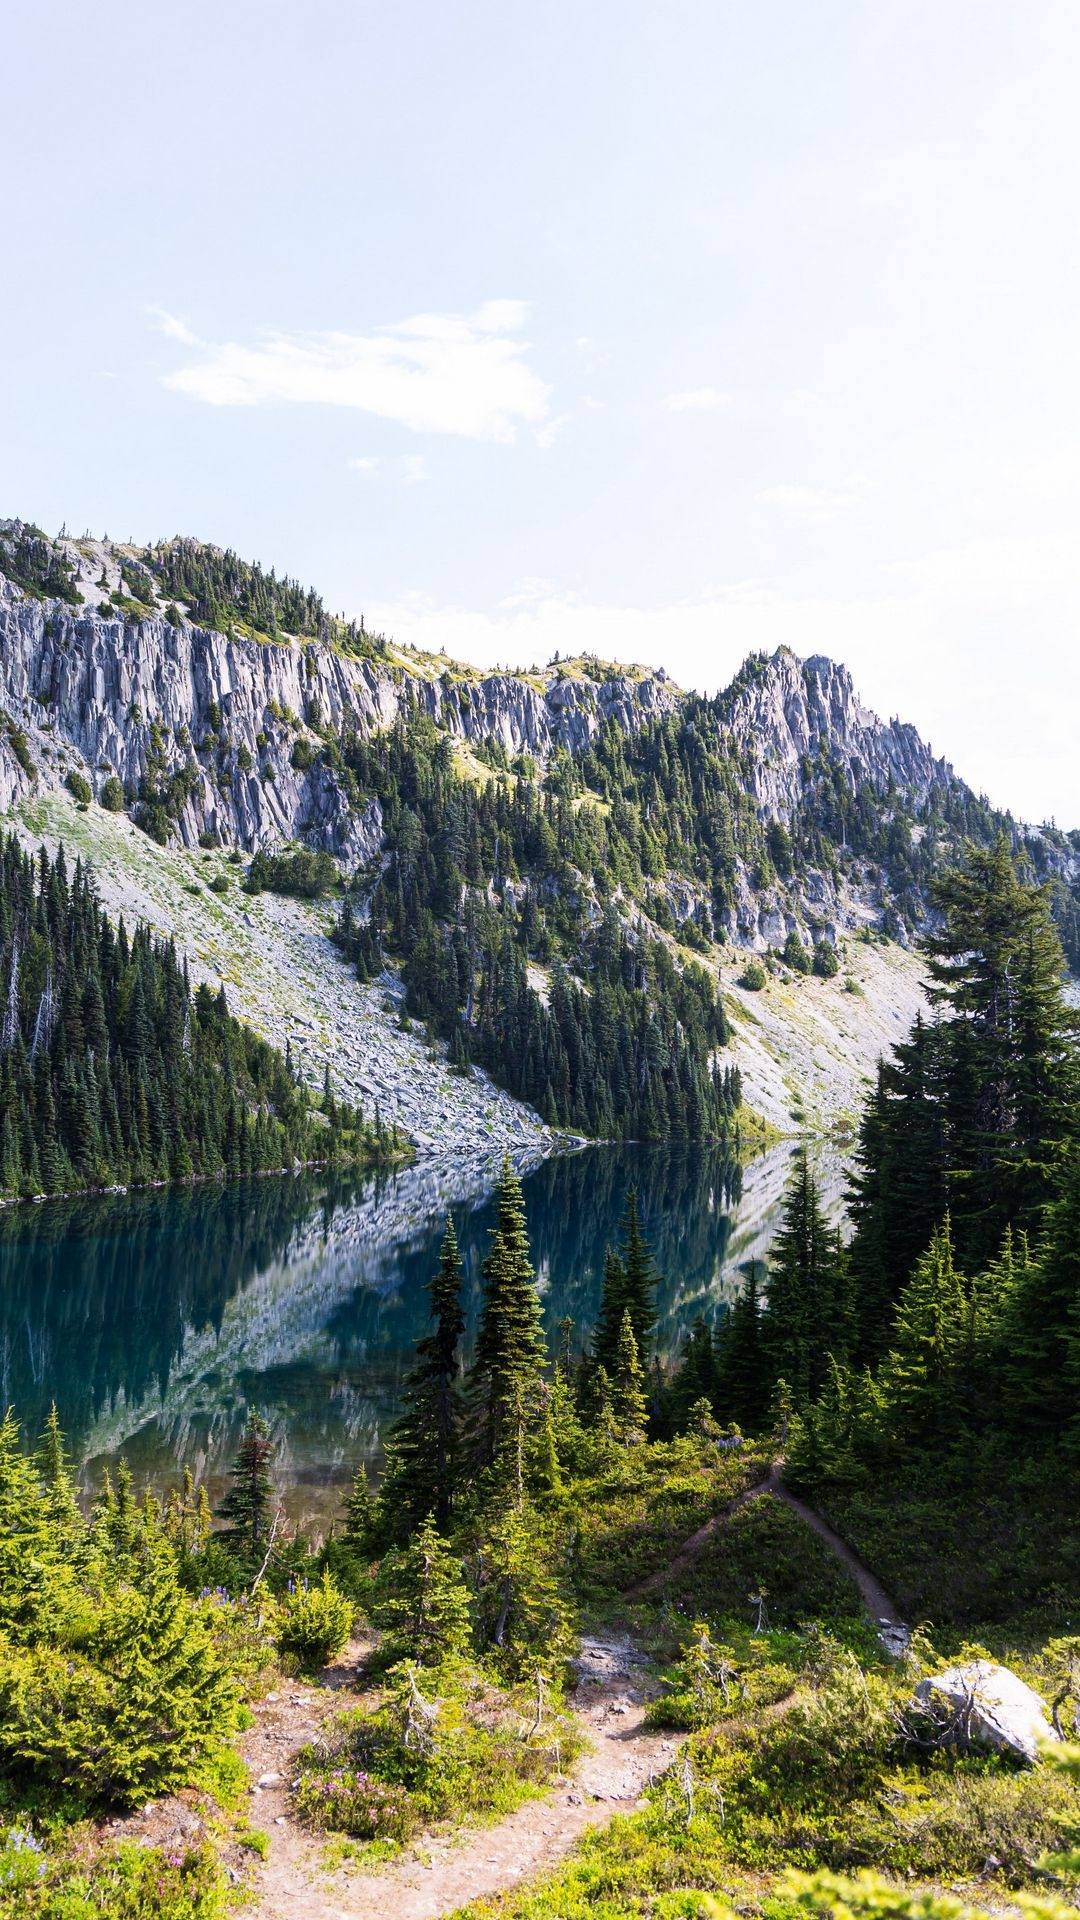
x=128 y=1882
x=112 y=795
x=78 y=785
x=306 y=874
x=315 y=1623
x=826 y=963
x=753 y=976
x=440 y=1745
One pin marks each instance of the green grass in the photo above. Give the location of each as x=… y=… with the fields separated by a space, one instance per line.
x=821 y=1780
x=473 y=1755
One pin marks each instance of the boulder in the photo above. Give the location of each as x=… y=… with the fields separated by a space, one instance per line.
x=981 y=1704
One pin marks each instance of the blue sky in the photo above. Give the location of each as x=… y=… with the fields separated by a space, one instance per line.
x=667 y=330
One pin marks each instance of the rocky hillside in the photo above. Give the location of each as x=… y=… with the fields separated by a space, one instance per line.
x=220 y=708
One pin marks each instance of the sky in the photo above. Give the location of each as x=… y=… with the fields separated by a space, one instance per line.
x=667 y=331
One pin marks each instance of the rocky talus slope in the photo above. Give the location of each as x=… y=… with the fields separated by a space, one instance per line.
x=283 y=974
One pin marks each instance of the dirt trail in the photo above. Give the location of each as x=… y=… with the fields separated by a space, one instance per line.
x=892 y=1629
x=448 y=1870
x=692 y=1547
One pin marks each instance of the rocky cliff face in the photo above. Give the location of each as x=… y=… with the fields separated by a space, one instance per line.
x=94 y=692
x=232 y=724
x=784 y=711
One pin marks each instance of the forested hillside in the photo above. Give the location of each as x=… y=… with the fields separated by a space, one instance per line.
x=112 y=1071
x=563 y=865
x=594 y=1512
x=928 y=1373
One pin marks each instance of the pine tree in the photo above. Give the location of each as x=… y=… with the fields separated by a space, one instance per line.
x=978 y=1110
x=171 y=1693
x=360 y=1514
x=60 y=1507
x=510 y=1351
x=998 y=968
x=1039 y=1345
x=605 y=1341
x=426 y=1440
x=522 y=1614
x=742 y=1365
x=639 y=1278
x=629 y=1403
x=422 y=1604
x=920 y=1373
x=247 y=1505
x=806 y=1316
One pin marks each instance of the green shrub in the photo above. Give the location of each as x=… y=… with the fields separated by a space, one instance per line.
x=826 y=964
x=305 y=873
x=155 y=822
x=112 y=795
x=128 y=1882
x=753 y=976
x=220 y=883
x=304 y=755
x=20 y=747
x=315 y=1623
x=77 y=784
x=119 y=1697
x=795 y=954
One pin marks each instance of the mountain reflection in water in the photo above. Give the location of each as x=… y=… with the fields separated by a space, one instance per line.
x=155 y=1319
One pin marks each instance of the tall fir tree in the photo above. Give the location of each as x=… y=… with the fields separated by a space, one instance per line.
x=807 y=1314
x=426 y=1440
x=246 y=1507
x=505 y=1379
x=742 y=1392
x=629 y=1399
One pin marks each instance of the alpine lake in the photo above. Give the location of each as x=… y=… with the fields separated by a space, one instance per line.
x=155 y=1319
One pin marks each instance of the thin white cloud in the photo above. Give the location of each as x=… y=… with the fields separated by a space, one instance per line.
x=462 y=374
x=364 y=463
x=173 y=327
x=547 y=435
x=698 y=400
x=814 y=504
x=413 y=469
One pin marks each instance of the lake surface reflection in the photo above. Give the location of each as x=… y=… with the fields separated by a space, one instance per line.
x=154 y=1320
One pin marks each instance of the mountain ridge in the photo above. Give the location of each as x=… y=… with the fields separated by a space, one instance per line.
x=559 y=810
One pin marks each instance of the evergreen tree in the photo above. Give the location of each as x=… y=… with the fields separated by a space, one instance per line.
x=247 y=1505
x=742 y=1363
x=523 y=1618
x=639 y=1278
x=919 y=1376
x=360 y=1514
x=629 y=1402
x=510 y=1354
x=807 y=1315
x=998 y=968
x=605 y=1341
x=1040 y=1329
x=427 y=1439
x=421 y=1603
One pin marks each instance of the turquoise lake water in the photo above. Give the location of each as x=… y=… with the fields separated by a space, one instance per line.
x=155 y=1319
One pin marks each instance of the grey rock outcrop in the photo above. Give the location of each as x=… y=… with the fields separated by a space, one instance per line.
x=785 y=711
x=96 y=693
x=982 y=1704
